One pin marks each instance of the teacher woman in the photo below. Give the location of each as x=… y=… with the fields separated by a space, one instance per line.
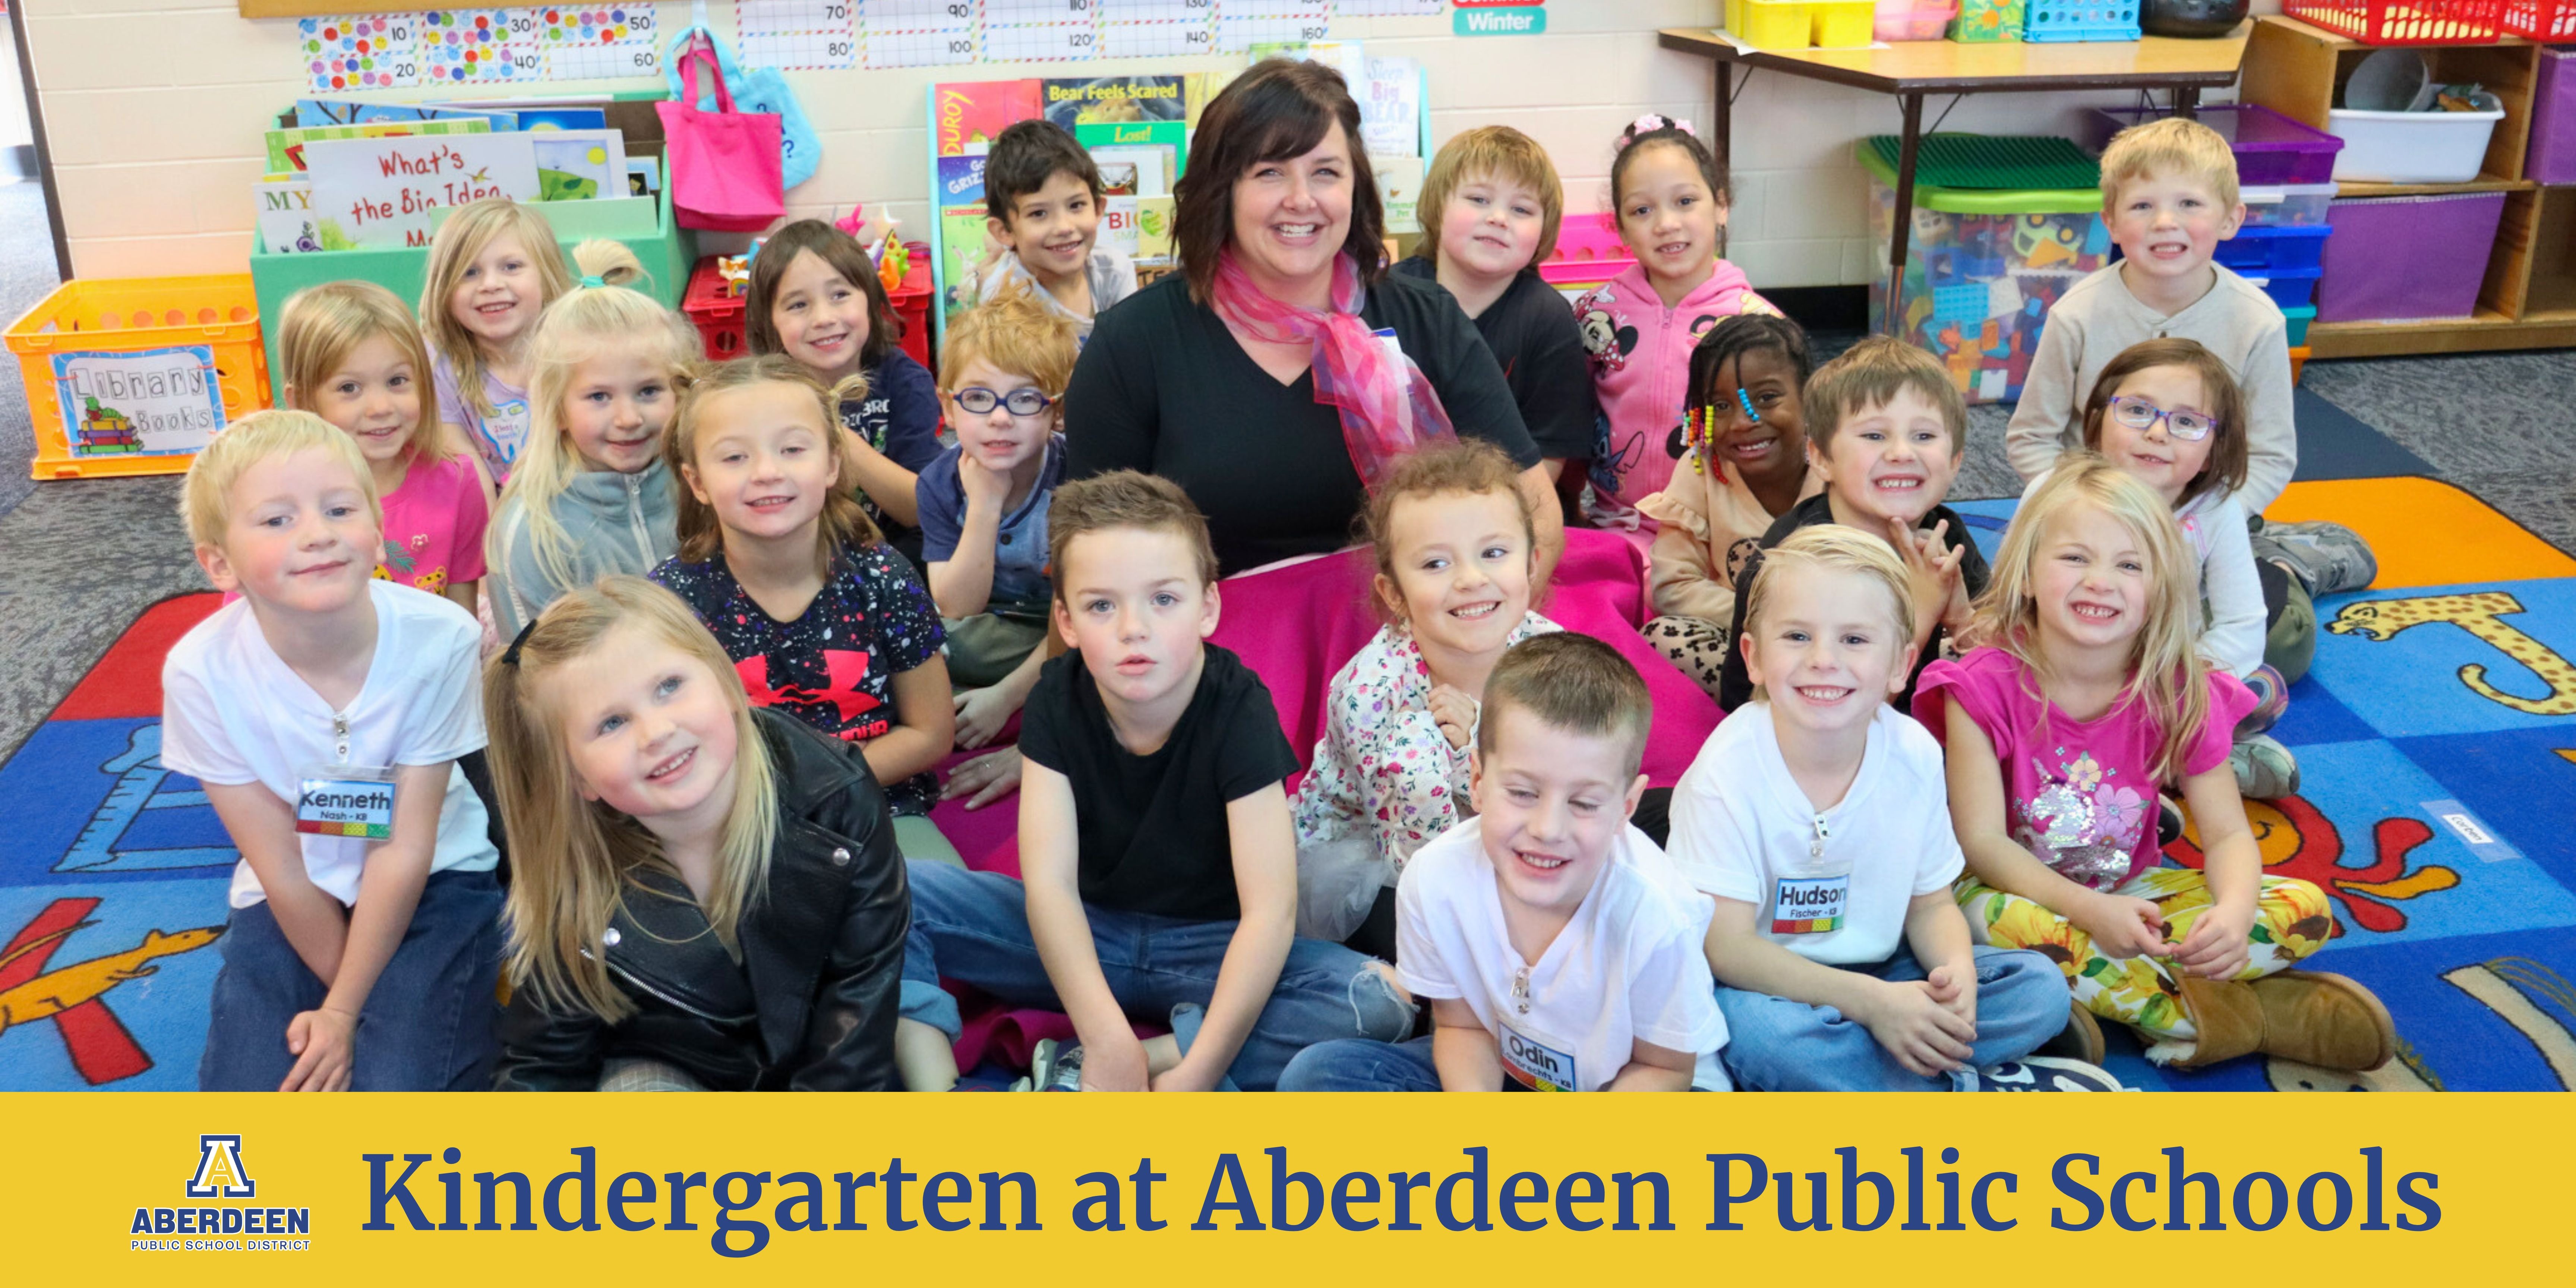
x=1282 y=367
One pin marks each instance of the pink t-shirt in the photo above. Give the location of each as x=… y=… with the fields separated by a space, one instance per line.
x=434 y=527
x=2082 y=797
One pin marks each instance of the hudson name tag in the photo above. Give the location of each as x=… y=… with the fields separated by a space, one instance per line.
x=1810 y=905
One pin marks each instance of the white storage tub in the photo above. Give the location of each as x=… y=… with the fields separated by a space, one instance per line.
x=2410 y=147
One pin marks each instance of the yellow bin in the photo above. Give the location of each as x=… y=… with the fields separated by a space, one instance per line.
x=1777 y=24
x=132 y=376
x=1844 y=24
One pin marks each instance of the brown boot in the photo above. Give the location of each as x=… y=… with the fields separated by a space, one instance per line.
x=2081 y=1039
x=2325 y=1020
x=2226 y=1013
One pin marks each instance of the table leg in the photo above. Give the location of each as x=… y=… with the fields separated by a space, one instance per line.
x=1909 y=143
x=1722 y=117
x=2186 y=101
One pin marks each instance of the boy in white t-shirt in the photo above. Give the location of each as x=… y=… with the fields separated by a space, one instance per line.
x=324 y=711
x=1818 y=817
x=1557 y=947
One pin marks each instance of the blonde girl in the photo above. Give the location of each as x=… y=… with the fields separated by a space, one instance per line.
x=705 y=898
x=493 y=268
x=1669 y=194
x=592 y=494
x=814 y=297
x=353 y=356
x=2081 y=700
x=1456 y=574
x=822 y=619
x=2169 y=412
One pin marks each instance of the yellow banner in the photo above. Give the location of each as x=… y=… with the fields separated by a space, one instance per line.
x=1371 y=1190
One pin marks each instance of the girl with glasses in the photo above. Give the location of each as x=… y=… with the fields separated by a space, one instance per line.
x=2168 y=413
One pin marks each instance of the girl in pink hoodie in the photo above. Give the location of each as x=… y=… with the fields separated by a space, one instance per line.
x=1670 y=197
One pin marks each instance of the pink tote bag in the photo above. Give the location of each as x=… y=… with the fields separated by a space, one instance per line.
x=724 y=164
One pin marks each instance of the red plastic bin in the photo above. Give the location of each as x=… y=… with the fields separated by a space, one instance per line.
x=2549 y=21
x=2405 y=22
x=718 y=314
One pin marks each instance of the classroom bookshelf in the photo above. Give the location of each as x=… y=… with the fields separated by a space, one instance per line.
x=2528 y=300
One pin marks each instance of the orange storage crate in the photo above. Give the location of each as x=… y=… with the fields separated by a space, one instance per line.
x=718 y=315
x=131 y=376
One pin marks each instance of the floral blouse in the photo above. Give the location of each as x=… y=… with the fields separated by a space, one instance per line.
x=1383 y=763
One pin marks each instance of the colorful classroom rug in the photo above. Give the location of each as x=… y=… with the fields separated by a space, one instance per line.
x=2437 y=735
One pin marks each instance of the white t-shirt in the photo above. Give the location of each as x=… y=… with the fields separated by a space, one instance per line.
x=232 y=712
x=1629 y=966
x=1740 y=823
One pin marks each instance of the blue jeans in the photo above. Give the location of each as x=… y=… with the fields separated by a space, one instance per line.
x=1354 y=1064
x=974 y=927
x=427 y=1025
x=1774 y=1044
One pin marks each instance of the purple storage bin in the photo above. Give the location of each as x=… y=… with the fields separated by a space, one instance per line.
x=2408 y=257
x=2271 y=149
x=2551 y=155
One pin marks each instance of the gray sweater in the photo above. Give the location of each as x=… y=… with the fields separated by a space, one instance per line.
x=617 y=523
x=2097 y=318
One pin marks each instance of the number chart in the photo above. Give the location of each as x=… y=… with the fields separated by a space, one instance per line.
x=608 y=41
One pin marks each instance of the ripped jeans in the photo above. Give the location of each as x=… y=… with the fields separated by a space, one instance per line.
x=973 y=927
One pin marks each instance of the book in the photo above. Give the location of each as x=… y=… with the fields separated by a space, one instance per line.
x=1399 y=188
x=284 y=204
x=966 y=115
x=1171 y=137
x=286 y=146
x=379 y=191
x=961 y=182
x=1073 y=102
x=342 y=111
x=576 y=165
x=1138 y=227
x=1133 y=172
x=1391 y=108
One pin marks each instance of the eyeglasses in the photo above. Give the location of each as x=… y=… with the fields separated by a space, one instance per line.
x=979 y=401
x=2138 y=413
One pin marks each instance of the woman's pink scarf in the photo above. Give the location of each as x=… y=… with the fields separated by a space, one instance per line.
x=1385 y=412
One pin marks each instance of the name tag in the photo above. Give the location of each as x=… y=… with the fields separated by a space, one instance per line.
x=1532 y=1065
x=1394 y=350
x=345 y=800
x=1810 y=905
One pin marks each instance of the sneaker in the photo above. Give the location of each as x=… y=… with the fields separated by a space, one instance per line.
x=2327 y=557
x=2265 y=770
x=2047 y=1073
x=2081 y=1039
x=1053 y=1066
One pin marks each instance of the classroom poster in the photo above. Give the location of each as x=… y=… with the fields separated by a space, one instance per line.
x=379 y=192
x=158 y=402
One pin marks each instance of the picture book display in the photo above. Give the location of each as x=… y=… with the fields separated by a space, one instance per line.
x=379 y=191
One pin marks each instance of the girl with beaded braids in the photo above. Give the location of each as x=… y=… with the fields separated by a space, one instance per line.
x=1743 y=464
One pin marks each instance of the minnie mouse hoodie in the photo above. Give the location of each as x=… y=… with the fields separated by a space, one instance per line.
x=1640 y=353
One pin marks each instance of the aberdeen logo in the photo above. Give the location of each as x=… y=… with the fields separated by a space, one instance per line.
x=221 y=1174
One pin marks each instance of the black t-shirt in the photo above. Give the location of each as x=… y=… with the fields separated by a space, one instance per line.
x=1531 y=330
x=1151 y=830
x=1164 y=388
x=1735 y=683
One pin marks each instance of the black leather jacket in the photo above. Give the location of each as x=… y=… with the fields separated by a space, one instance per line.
x=811 y=1006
